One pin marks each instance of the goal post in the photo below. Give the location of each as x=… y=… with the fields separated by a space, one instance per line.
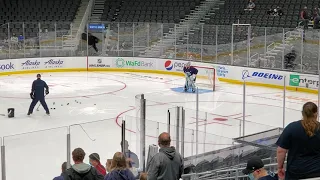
x=207 y=77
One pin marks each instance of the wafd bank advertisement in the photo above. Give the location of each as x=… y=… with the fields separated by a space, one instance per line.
x=135 y=63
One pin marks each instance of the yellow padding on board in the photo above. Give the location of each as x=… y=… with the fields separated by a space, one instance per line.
x=232 y=81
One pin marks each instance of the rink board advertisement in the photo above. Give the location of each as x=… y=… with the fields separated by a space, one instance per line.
x=99 y=62
x=43 y=64
x=303 y=80
x=225 y=73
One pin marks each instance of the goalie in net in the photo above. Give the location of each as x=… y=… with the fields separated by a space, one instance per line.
x=191 y=76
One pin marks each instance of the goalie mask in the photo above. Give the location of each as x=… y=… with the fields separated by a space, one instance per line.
x=188 y=64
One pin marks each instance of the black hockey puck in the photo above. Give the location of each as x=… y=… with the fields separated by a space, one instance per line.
x=68 y=104
x=94 y=104
x=50 y=108
x=61 y=104
x=54 y=108
x=54 y=103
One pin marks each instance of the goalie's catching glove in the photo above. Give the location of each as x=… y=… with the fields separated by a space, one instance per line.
x=31 y=95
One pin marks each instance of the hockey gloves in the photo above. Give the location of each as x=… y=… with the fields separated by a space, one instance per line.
x=47 y=92
x=31 y=95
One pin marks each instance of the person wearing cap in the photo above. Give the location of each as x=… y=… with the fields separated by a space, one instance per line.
x=37 y=94
x=131 y=156
x=94 y=160
x=255 y=170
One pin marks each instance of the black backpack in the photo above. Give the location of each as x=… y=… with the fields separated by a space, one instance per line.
x=71 y=174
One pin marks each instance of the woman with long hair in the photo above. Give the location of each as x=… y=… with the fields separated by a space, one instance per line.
x=301 y=140
x=119 y=169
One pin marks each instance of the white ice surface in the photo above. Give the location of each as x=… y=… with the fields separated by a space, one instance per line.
x=99 y=101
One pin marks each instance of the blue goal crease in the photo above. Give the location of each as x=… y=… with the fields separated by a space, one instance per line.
x=181 y=90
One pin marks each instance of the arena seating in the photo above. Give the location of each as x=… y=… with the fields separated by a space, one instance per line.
x=33 y=11
x=165 y=11
x=227 y=162
x=233 y=12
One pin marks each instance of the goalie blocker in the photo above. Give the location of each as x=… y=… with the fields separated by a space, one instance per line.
x=191 y=76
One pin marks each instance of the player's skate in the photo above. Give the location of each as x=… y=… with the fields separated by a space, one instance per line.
x=29 y=113
x=185 y=89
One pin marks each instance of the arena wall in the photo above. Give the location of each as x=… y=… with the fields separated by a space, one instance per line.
x=231 y=74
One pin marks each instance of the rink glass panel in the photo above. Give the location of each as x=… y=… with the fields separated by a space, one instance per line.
x=97 y=137
x=33 y=149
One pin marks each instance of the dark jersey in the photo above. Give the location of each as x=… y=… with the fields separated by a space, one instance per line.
x=192 y=70
x=38 y=88
x=303 y=159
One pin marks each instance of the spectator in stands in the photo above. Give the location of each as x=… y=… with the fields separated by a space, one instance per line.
x=316 y=18
x=275 y=12
x=108 y=165
x=255 y=170
x=132 y=169
x=81 y=170
x=301 y=140
x=167 y=164
x=131 y=156
x=304 y=15
x=119 y=169
x=289 y=59
x=63 y=169
x=143 y=176
x=94 y=159
x=250 y=6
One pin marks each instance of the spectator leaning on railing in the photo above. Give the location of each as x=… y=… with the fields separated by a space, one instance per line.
x=301 y=140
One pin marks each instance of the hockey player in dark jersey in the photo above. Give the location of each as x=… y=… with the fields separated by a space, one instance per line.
x=190 y=72
x=37 y=94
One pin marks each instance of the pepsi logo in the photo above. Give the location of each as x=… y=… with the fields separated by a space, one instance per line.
x=168 y=65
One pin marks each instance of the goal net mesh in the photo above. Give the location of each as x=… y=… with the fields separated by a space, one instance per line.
x=206 y=77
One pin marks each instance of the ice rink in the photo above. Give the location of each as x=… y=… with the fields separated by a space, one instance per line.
x=100 y=100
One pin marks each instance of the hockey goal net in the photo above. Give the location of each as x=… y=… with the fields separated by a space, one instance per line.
x=206 y=77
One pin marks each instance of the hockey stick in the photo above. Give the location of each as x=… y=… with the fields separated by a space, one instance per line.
x=40 y=104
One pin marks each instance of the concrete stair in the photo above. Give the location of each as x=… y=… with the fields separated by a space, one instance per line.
x=182 y=30
x=276 y=49
x=71 y=41
x=97 y=11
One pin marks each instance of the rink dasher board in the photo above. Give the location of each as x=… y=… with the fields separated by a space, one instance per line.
x=224 y=73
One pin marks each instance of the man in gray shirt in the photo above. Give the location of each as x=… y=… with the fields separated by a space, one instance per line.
x=167 y=164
